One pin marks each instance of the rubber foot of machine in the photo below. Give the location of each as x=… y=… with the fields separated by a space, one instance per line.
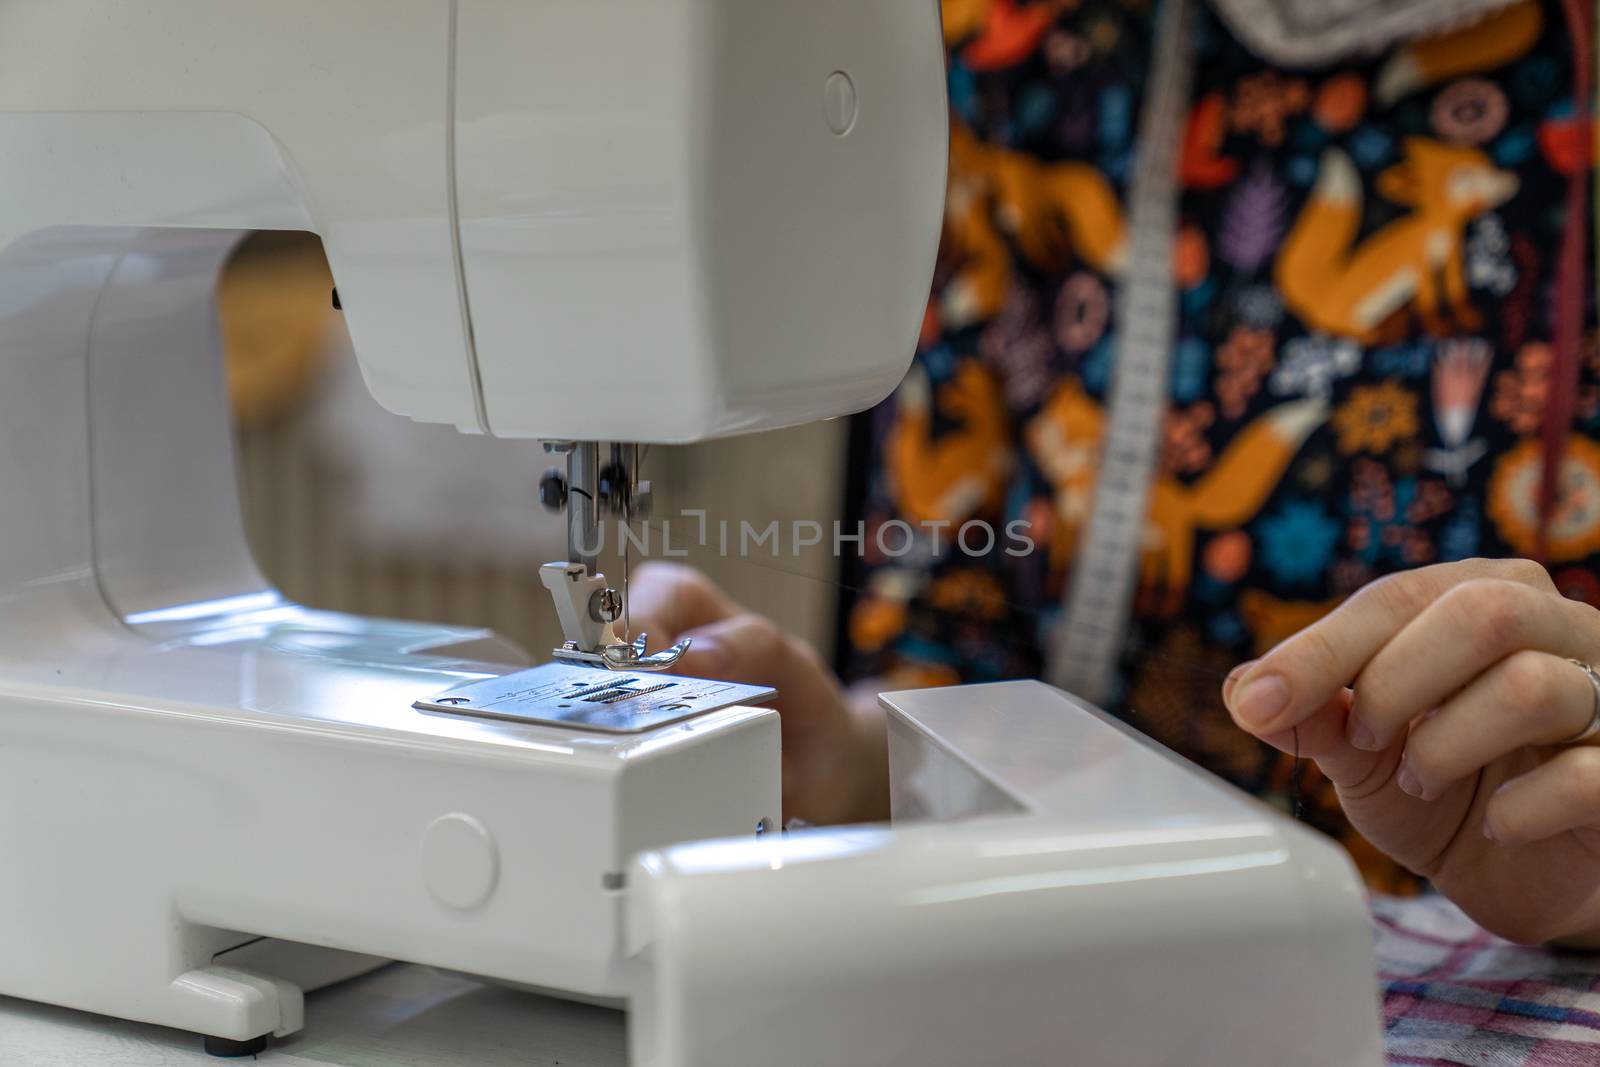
x=225 y=1049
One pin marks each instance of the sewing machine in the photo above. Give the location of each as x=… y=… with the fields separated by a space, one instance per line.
x=576 y=221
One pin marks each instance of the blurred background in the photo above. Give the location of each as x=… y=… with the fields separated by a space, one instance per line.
x=351 y=508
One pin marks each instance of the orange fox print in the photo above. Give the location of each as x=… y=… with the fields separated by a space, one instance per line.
x=1490 y=42
x=1064 y=440
x=978 y=289
x=1048 y=210
x=962 y=472
x=1356 y=290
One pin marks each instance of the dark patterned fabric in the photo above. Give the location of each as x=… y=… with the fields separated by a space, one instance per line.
x=1367 y=263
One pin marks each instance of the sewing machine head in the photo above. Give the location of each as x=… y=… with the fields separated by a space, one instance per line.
x=720 y=220
x=723 y=220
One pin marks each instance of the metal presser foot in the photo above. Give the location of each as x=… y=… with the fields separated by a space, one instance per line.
x=588 y=610
x=632 y=657
x=587 y=607
x=624 y=657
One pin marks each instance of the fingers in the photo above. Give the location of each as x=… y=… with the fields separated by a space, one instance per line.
x=1321 y=739
x=1529 y=698
x=665 y=600
x=1563 y=794
x=740 y=648
x=1300 y=676
x=755 y=651
x=829 y=768
x=1476 y=623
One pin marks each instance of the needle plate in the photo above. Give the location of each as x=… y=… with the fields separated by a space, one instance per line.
x=583 y=698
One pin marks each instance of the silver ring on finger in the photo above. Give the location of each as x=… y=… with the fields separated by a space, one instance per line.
x=1591 y=731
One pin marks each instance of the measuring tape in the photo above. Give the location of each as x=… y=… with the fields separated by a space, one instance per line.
x=1086 y=646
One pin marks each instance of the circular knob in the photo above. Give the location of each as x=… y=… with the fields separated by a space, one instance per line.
x=553 y=490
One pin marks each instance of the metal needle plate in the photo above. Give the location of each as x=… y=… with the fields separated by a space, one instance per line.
x=583 y=698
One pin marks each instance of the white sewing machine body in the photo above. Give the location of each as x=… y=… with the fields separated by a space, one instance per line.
x=570 y=219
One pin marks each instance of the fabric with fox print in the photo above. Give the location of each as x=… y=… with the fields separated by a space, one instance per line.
x=1366 y=266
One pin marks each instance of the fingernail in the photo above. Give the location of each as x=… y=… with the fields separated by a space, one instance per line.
x=1408 y=781
x=1233 y=679
x=1261 y=701
x=1361 y=735
x=1488 y=831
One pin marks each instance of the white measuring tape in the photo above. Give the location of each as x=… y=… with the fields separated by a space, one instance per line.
x=1086 y=645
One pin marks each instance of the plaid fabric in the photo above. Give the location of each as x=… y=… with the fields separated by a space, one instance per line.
x=1454 y=994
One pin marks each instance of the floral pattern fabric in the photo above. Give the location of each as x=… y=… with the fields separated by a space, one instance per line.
x=1366 y=266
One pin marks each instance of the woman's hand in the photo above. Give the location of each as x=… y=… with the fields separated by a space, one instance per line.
x=835 y=756
x=1443 y=706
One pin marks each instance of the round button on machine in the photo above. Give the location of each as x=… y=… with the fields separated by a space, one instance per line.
x=839 y=102
x=460 y=862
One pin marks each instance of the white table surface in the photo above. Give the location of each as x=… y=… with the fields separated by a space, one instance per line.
x=401 y=1016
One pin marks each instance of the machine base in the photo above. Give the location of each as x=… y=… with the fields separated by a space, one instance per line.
x=264 y=775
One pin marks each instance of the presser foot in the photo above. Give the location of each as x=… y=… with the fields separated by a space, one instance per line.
x=588 y=610
x=622 y=656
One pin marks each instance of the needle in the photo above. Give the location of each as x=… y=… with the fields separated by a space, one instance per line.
x=627 y=549
x=627 y=552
